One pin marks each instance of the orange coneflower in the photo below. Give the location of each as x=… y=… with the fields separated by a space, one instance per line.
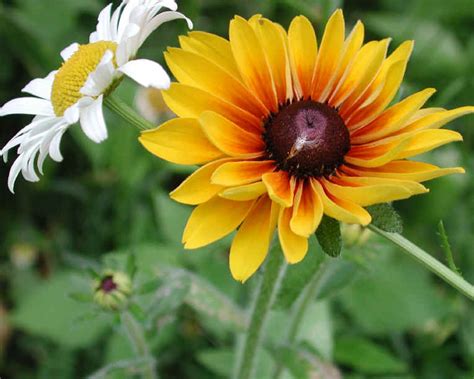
x=288 y=132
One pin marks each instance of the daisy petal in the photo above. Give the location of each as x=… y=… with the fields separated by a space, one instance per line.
x=207 y=224
x=41 y=87
x=294 y=246
x=251 y=243
x=180 y=141
x=69 y=51
x=92 y=121
x=146 y=73
x=27 y=105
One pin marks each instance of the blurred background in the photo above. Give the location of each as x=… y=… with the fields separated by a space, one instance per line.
x=378 y=315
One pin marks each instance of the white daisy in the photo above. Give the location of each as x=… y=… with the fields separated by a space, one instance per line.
x=75 y=92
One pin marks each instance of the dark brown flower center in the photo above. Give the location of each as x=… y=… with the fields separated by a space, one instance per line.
x=307 y=138
x=107 y=284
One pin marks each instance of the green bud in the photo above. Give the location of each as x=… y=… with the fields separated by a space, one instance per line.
x=112 y=290
x=355 y=235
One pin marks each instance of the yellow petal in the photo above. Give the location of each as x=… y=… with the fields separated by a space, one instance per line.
x=401 y=54
x=187 y=101
x=229 y=137
x=368 y=113
x=252 y=63
x=294 y=246
x=329 y=54
x=280 y=186
x=303 y=50
x=239 y=173
x=427 y=140
x=251 y=243
x=351 y=46
x=214 y=220
x=366 y=65
x=274 y=47
x=369 y=191
x=342 y=210
x=438 y=119
x=393 y=119
x=180 y=140
x=213 y=47
x=245 y=192
x=405 y=170
x=197 y=188
x=307 y=210
x=197 y=71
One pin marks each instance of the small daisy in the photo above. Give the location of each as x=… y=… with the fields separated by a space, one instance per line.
x=76 y=91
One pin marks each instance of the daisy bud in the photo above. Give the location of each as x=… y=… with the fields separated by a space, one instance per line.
x=112 y=290
x=353 y=235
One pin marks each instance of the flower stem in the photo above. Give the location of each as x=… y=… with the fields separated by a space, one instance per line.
x=265 y=296
x=432 y=264
x=299 y=309
x=118 y=106
x=137 y=338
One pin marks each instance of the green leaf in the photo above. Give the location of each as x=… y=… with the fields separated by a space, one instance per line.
x=297 y=277
x=447 y=247
x=49 y=312
x=131 y=267
x=338 y=275
x=218 y=361
x=329 y=236
x=293 y=360
x=385 y=217
x=149 y=287
x=367 y=357
x=82 y=297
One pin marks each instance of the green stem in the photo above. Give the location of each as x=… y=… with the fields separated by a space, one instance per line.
x=137 y=338
x=429 y=262
x=127 y=113
x=265 y=296
x=299 y=309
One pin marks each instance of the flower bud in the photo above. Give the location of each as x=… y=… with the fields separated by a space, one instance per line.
x=112 y=290
x=354 y=235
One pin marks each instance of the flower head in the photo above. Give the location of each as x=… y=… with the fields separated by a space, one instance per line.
x=112 y=290
x=288 y=131
x=76 y=91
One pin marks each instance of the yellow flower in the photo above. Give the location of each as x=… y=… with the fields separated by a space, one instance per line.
x=288 y=131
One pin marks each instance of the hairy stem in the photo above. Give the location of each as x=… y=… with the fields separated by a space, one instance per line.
x=118 y=106
x=264 y=298
x=299 y=309
x=137 y=339
x=432 y=264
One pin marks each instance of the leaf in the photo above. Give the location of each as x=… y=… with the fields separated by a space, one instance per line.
x=297 y=277
x=294 y=360
x=385 y=217
x=82 y=297
x=338 y=274
x=367 y=357
x=447 y=247
x=218 y=361
x=131 y=266
x=149 y=287
x=49 y=312
x=329 y=236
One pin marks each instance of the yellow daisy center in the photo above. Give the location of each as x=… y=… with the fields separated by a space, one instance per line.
x=73 y=74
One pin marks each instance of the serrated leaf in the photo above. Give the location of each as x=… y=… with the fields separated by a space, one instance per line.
x=329 y=236
x=385 y=217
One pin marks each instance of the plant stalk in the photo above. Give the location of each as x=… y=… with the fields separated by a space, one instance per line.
x=136 y=336
x=432 y=264
x=264 y=297
x=299 y=309
x=118 y=106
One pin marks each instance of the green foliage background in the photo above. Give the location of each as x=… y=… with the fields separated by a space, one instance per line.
x=377 y=315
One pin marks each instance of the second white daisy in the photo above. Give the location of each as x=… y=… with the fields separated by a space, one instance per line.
x=76 y=91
